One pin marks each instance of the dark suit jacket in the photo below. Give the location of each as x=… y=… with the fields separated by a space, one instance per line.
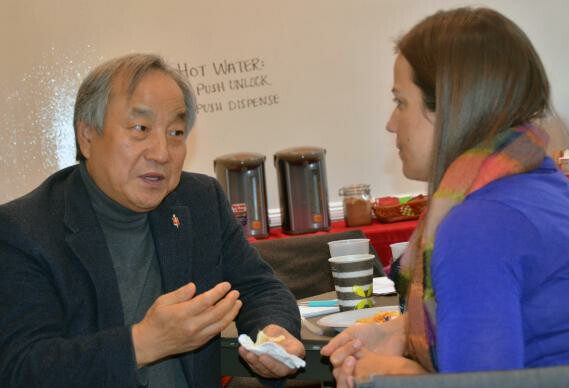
x=61 y=320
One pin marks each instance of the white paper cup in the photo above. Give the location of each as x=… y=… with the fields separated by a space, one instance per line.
x=397 y=249
x=354 y=246
x=353 y=280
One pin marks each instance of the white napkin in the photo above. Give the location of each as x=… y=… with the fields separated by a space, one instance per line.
x=383 y=285
x=272 y=349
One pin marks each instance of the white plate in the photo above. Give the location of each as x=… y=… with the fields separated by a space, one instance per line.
x=340 y=321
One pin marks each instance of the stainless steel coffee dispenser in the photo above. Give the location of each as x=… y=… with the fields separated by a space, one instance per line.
x=242 y=176
x=303 y=191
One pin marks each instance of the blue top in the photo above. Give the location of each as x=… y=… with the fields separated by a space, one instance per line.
x=501 y=275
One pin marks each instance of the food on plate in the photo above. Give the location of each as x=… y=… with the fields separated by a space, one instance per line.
x=262 y=338
x=380 y=317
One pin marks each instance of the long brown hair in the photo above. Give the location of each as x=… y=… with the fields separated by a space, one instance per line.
x=479 y=73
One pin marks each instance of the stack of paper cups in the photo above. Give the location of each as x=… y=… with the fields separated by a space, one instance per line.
x=352 y=270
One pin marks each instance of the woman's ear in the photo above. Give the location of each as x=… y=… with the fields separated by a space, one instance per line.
x=85 y=135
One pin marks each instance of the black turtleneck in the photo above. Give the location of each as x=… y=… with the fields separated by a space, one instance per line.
x=132 y=251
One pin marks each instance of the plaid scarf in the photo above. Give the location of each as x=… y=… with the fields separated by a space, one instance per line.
x=514 y=151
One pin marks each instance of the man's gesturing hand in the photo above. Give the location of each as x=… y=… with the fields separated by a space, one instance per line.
x=179 y=321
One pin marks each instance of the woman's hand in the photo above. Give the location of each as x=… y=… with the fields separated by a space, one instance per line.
x=369 y=364
x=345 y=349
x=387 y=338
x=364 y=364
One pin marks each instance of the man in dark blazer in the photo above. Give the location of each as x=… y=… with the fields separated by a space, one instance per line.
x=123 y=270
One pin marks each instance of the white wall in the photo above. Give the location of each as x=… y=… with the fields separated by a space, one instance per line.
x=327 y=61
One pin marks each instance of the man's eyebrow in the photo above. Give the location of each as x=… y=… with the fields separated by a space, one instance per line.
x=178 y=117
x=139 y=111
x=181 y=115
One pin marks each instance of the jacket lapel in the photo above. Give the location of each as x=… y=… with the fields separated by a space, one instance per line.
x=172 y=231
x=86 y=240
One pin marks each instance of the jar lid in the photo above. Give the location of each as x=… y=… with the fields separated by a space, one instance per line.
x=360 y=188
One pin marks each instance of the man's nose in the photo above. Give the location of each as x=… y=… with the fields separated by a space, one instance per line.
x=158 y=147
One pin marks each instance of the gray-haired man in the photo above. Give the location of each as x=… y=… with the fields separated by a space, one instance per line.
x=123 y=270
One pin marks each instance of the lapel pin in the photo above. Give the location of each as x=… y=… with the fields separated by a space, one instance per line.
x=175 y=221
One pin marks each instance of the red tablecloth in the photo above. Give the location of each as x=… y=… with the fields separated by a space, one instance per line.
x=380 y=235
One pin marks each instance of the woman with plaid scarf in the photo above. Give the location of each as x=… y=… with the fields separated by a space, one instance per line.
x=484 y=279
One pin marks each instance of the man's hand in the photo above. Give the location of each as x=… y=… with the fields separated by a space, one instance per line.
x=179 y=321
x=387 y=339
x=265 y=365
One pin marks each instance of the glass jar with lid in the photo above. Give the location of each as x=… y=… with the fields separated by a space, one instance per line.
x=357 y=204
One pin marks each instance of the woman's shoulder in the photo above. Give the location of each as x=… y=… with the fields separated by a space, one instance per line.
x=539 y=198
x=516 y=222
x=543 y=185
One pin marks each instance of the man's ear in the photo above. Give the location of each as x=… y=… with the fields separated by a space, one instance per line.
x=85 y=134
